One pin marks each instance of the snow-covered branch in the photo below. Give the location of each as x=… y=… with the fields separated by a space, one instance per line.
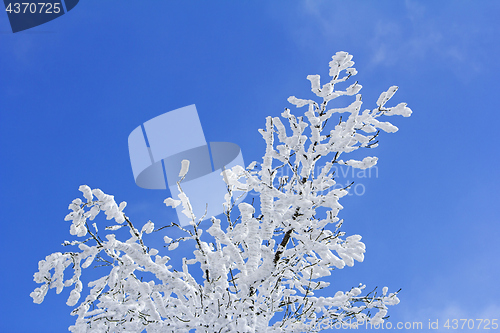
x=261 y=269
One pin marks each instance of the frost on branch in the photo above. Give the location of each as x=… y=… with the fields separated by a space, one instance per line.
x=264 y=263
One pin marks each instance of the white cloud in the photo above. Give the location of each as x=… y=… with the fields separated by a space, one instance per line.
x=407 y=35
x=456 y=315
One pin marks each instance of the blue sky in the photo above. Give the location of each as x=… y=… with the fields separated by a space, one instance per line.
x=73 y=89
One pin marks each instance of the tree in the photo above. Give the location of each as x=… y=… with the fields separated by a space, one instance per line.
x=260 y=265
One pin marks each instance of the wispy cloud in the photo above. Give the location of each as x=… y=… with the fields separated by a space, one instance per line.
x=406 y=34
x=455 y=316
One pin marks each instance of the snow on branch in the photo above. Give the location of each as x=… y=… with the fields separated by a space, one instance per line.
x=263 y=263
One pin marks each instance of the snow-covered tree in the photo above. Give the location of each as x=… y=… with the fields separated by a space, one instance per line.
x=264 y=261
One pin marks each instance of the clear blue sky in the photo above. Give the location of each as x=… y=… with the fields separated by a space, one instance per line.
x=73 y=89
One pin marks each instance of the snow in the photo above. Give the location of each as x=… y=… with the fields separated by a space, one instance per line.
x=148 y=227
x=184 y=168
x=268 y=258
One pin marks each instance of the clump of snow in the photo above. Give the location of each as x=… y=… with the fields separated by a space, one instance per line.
x=184 y=168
